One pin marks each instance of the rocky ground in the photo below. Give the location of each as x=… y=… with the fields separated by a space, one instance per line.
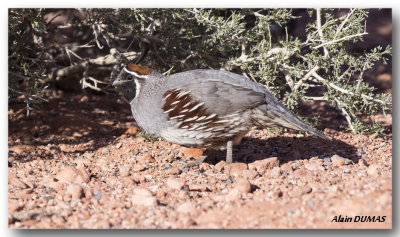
x=79 y=161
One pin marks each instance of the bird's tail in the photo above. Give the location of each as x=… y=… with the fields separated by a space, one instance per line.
x=278 y=115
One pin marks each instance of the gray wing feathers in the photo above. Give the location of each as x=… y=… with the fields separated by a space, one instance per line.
x=224 y=98
x=225 y=93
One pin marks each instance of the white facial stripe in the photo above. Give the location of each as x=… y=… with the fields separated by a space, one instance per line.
x=137 y=88
x=134 y=73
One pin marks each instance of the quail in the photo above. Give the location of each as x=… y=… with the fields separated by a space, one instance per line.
x=202 y=108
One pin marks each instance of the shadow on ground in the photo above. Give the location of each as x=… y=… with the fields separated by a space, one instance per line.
x=90 y=122
x=74 y=119
x=286 y=149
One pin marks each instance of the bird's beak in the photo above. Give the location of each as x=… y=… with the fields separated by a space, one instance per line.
x=116 y=82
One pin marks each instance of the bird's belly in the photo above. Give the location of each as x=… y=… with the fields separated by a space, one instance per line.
x=202 y=139
x=214 y=136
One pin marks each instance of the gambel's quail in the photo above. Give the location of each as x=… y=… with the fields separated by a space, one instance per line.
x=202 y=108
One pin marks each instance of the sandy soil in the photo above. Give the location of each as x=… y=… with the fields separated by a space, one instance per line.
x=80 y=162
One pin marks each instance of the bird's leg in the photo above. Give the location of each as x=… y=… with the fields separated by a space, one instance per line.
x=229 y=158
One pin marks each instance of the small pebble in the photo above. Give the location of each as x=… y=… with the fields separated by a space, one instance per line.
x=244 y=186
x=219 y=166
x=146 y=158
x=72 y=174
x=139 y=167
x=118 y=145
x=75 y=190
x=275 y=172
x=174 y=171
x=132 y=130
x=142 y=191
x=314 y=167
x=346 y=171
x=339 y=161
x=373 y=170
x=197 y=187
x=261 y=166
x=277 y=194
x=143 y=201
x=186 y=207
x=175 y=183
x=233 y=195
x=328 y=159
x=235 y=169
x=14 y=180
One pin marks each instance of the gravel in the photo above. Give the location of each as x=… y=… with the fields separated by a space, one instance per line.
x=112 y=177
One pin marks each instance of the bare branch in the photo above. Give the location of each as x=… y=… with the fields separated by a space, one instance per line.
x=346 y=114
x=109 y=59
x=319 y=29
x=85 y=83
x=315 y=98
x=341 y=39
x=330 y=84
x=27 y=95
x=344 y=21
x=308 y=75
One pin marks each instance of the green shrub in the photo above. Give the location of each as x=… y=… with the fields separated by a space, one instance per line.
x=252 y=42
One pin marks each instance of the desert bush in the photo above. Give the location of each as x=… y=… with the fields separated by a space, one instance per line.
x=253 y=42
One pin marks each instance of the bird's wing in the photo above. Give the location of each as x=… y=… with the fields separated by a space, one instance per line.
x=215 y=96
x=224 y=93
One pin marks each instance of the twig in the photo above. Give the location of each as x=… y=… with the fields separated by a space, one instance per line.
x=249 y=76
x=319 y=29
x=319 y=78
x=341 y=39
x=258 y=14
x=347 y=115
x=73 y=53
x=315 y=98
x=269 y=36
x=27 y=95
x=109 y=59
x=344 y=21
x=169 y=70
x=308 y=75
x=289 y=80
x=96 y=37
x=86 y=84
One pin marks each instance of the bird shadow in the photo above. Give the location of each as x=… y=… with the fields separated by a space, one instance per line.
x=286 y=149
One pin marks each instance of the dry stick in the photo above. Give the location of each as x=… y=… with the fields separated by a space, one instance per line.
x=319 y=78
x=86 y=84
x=344 y=21
x=308 y=75
x=319 y=29
x=96 y=37
x=347 y=115
x=341 y=39
x=27 y=95
x=315 y=98
x=100 y=61
x=270 y=37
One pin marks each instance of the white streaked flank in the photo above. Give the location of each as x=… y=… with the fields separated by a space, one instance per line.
x=196 y=106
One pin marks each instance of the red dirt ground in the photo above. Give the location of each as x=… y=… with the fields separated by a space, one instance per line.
x=79 y=161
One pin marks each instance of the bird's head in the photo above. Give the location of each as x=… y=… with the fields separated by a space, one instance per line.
x=130 y=79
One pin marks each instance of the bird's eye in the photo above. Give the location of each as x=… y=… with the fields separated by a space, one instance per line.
x=130 y=77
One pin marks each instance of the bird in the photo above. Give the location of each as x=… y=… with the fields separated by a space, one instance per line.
x=203 y=108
